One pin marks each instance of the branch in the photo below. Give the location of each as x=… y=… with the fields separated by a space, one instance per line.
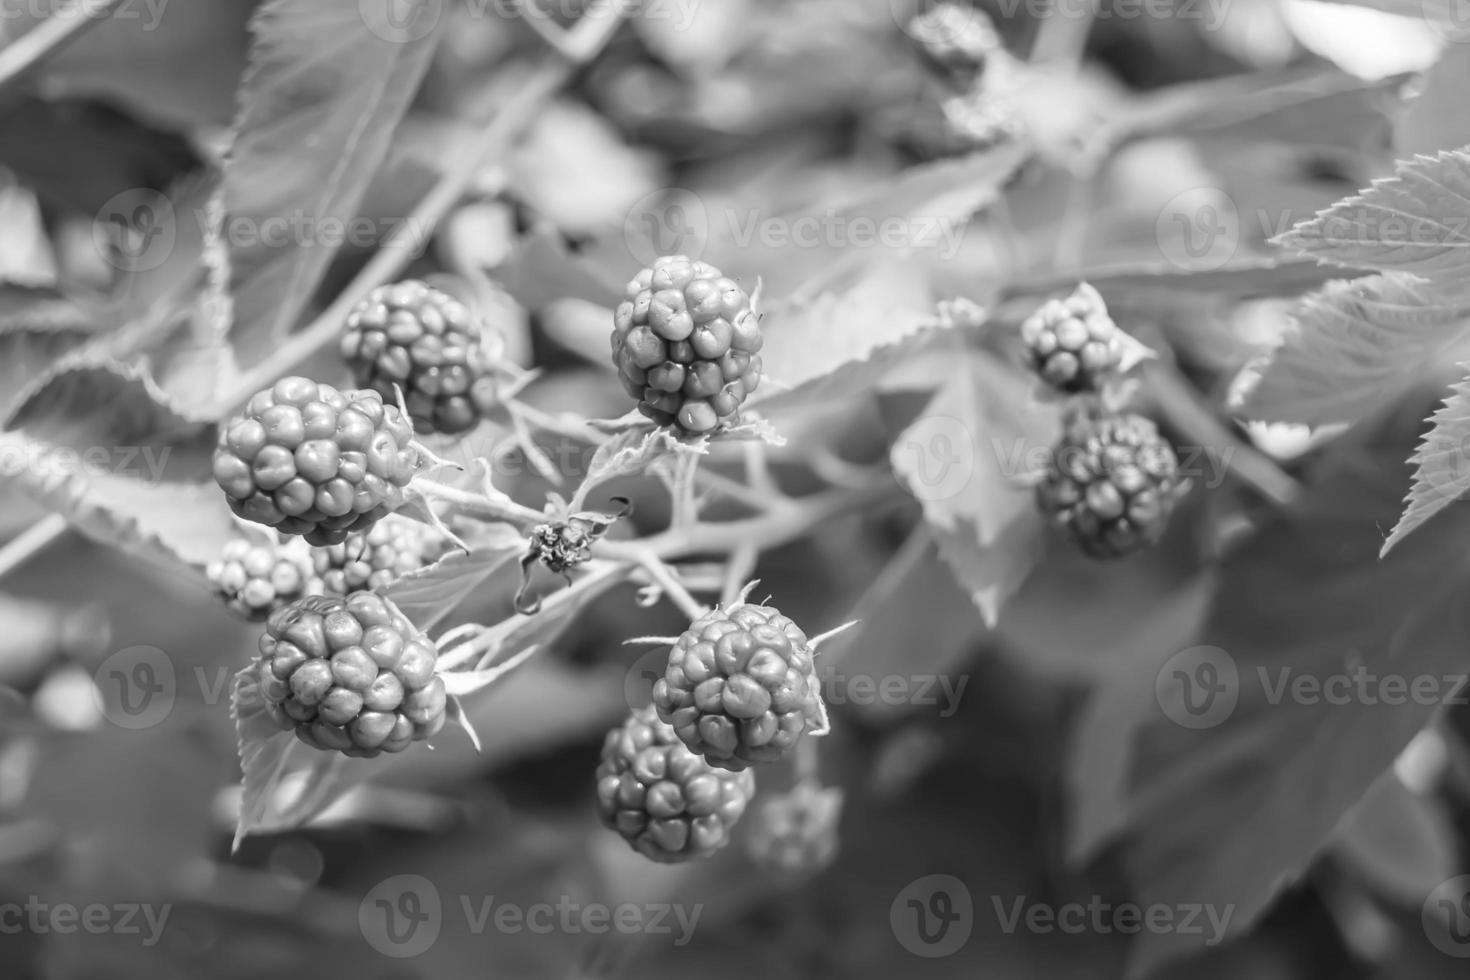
x=50 y=36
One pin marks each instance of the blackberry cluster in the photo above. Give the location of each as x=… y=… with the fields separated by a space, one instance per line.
x=1072 y=343
x=1111 y=483
x=254 y=578
x=665 y=801
x=429 y=344
x=740 y=687
x=372 y=560
x=686 y=343
x=351 y=674
x=307 y=459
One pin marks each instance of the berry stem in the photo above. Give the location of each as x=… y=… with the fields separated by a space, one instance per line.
x=480 y=506
x=669 y=584
x=738 y=572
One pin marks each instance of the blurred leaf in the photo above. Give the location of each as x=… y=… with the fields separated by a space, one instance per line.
x=1441 y=464
x=1321 y=108
x=1357 y=345
x=1280 y=769
x=318 y=109
x=97 y=404
x=992 y=573
x=574 y=168
x=79 y=155
x=698 y=41
x=139 y=55
x=1416 y=221
x=542 y=269
x=427 y=595
x=1402 y=844
x=1436 y=119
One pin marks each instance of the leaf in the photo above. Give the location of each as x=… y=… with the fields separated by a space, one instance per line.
x=1401 y=843
x=993 y=572
x=1280 y=768
x=98 y=404
x=271 y=801
x=542 y=269
x=427 y=595
x=966 y=459
x=1320 y=108
x=318 y=108
x=1357 y=345
x=629 y=453
x=827 y=347
x=461 y=682
x=27 y=352
x=1441 y=464
x=1416 y=221
x=1436 y=119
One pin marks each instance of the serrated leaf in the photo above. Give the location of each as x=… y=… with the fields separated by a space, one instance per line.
x=1416 y=221
x=1441 y=464
x=992 y=573
x=1401 y=844
x=275 y=795
x=1356 y=346
x=427 y=595
x=812 y=347
x=1279 y=768
x=102 y=404
x=318 y=108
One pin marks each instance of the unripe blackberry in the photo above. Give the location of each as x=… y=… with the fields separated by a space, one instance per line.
x=1073 y=343
x=256 y=577
x=665 y=801
x=794 y=835
x=351 y=674
x=307 y=459
x=430 y=345
x=685 y=344
x=1111 y=483
x=372 y=560
x=740 y=687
